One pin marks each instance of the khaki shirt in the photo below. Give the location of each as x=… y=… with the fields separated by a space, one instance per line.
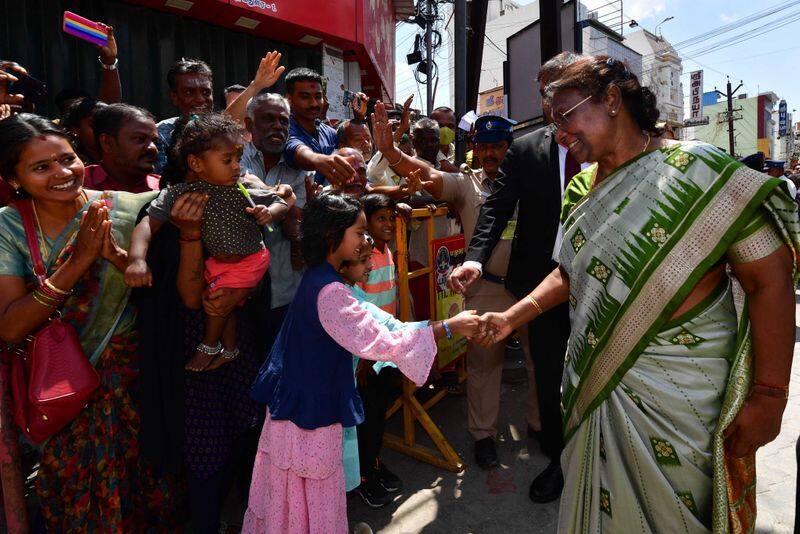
x=467 y=192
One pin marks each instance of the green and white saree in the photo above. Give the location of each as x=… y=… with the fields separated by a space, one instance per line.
x=645 y=398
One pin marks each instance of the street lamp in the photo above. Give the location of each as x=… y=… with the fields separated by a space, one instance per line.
x=660 y=23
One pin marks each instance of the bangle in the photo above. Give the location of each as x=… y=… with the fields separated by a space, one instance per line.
x=447 y=332
x=778 y=392
x=113 y=66
x=535 y=304
x=52 y=287
x=396 y=162
x=42 y=300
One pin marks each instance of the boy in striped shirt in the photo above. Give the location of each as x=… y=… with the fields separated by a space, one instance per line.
x=378 y=383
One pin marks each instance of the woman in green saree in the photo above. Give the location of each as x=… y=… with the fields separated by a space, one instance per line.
x=679 y=267
x=90 y=477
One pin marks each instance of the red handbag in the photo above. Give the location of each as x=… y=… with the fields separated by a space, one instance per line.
x=51 y=377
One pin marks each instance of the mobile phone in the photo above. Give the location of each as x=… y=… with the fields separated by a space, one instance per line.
x=32 y=89
x=347 y=98
x=83 y=28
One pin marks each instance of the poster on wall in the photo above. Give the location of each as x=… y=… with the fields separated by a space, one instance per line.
x=333 y=70
x=448 y=252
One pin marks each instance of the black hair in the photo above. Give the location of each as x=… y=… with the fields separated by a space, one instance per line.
x=375 y=202
x=17 y=131
x=442 y=108
x=202 y=132
x=187 y=66
x=556 y=65
x=65 y=96
x=235 y=88
x=79 y=110
x=594 y=74
x=326 y=218
x=301 y=74
x=109 y=119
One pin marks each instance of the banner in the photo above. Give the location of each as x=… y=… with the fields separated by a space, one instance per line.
x=696 y=96
x=782 y=119
x=448 y=253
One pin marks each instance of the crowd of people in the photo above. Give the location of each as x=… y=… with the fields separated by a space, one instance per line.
x=231 y=277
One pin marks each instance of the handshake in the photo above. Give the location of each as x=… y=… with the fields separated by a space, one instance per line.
x=485 y=330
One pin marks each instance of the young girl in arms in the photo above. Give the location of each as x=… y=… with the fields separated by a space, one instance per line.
x=210 y=147
x=307 y=383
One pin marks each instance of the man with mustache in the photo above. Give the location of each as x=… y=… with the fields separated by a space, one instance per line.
x=467 y=191
x=311 y=142
x=531 y=182
x=127 y=137
x=267 y=120
x=190 y=90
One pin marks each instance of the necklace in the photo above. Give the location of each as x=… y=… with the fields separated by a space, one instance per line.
x=42 y=240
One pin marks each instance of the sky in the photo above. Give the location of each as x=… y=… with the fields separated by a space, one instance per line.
x=768 y=62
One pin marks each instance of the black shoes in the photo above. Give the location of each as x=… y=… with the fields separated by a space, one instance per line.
x=387 y=479
x=486 y=453
x=548 y=485
x=373 y=494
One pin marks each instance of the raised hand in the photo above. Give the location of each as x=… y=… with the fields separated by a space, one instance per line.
x=8 y=70
x=108 y=53
x=405 y=119
x=269 y=70
x=382 y=130
x=360 y=106
x=462 y=278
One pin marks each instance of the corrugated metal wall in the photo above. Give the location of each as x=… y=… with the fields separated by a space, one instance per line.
x=149 y=42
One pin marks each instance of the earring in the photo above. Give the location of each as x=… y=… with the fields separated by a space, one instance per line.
x=613 y=113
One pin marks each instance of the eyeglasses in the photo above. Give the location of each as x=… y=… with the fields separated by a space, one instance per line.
x=561 y=119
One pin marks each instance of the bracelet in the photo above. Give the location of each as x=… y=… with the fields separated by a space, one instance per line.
x=113 y=66
x=535 y=304
x=43 y=291
x=778 y=392
x=52 y=287
x=447 y=332
x=38 y=298
x=396 y=162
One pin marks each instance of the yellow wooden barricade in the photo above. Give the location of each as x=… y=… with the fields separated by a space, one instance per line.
x=413 y=410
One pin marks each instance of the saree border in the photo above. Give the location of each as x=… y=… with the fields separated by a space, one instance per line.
x=737 y=191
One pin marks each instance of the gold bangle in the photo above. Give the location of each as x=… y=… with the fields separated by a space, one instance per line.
x=53 y=288
x=396 y=162
x=37 y=298
x=535 y=304
x=44 y=296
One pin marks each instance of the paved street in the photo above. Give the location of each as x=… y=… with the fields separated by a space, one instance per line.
x=475 y=501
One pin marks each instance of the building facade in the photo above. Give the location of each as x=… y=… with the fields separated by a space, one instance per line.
x=754 y=127
x=661 y=72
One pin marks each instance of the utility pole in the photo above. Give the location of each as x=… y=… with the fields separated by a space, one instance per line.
x=429 y=53
x=729 y=95
x=460 y=16
x=550 y=28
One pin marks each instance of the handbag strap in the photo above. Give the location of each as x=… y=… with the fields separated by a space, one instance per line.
x=25 y=208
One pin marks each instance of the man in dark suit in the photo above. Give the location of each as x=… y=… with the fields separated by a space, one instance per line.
x=531 y=180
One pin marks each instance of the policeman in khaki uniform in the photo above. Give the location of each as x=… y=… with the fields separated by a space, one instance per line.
x=467 y=191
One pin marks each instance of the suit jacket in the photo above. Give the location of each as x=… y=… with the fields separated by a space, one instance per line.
x=529 y=175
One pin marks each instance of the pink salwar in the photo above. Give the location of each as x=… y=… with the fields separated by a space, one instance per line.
x=298 y=477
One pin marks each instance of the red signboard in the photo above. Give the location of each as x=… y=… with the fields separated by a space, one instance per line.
x=376 y=33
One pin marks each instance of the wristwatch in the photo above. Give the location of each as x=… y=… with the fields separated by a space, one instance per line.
x=113 y=66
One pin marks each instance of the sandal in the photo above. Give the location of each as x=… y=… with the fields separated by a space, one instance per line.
x=225 y=356
x=209 y=352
